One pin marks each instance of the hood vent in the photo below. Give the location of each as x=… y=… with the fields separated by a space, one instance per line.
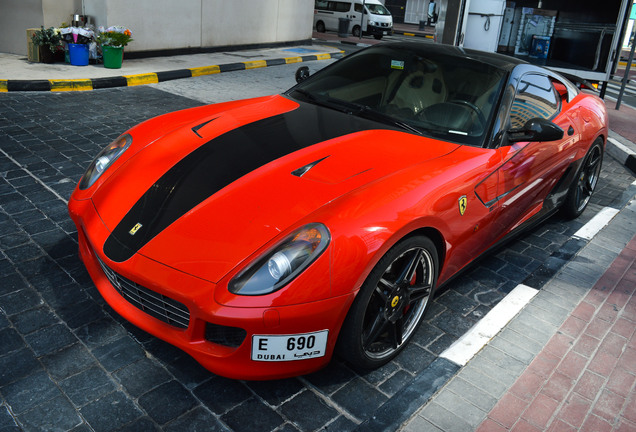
x=303 y=170
x=196 y=128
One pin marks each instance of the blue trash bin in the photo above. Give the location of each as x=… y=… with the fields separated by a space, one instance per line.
x=78 y=54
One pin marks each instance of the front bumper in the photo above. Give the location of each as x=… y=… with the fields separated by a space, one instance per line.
x=191 y=319
x=379 y=31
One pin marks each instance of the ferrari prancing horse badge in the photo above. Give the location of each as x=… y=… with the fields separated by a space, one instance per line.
x=462 y=205
x=134 y=229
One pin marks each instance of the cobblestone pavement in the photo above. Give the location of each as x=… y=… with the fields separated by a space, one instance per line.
x=68 y=362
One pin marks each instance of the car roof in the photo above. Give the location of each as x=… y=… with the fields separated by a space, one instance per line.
x=499 y=61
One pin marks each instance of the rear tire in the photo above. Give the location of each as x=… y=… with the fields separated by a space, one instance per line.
x=320 y=27
x=585 y=181
x=355 y=31
x=390 y=305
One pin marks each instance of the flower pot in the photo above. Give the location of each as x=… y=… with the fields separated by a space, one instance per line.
x=113 y=56
x=78 y=54
x=46 y=55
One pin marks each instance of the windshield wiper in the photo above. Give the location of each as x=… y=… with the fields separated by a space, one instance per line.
x=358 y=110
x=372 y=114
x=323 y=101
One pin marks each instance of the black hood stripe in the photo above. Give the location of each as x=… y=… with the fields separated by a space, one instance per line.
x=220 y=162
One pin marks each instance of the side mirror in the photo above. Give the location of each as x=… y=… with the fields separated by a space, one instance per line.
x=302 y=74
x=536 y=129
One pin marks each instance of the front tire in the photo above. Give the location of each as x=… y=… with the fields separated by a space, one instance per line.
x=585 y=182
x=390 y=304
x=378 y=37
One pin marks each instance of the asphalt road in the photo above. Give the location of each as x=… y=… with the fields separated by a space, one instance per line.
x=629 y=93
x=68 y=362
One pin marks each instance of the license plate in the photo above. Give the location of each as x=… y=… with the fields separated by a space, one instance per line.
x=289 y=347
x=385 y=33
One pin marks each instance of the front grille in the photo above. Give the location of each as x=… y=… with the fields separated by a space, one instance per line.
x=232 y=337
x=154 y=304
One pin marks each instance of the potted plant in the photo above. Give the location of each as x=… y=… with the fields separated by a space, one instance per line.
x=49 y=42
x=113 y=40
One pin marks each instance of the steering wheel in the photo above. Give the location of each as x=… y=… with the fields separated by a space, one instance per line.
x=474 y=108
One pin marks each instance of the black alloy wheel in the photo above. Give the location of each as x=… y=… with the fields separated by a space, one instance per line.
x=585 y=182
x=390 y=304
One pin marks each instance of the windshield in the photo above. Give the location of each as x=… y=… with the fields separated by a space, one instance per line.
x=377 y=9
x=435 y=94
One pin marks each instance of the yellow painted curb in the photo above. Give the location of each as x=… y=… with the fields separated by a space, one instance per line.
x=3 y=85
x=205 y=70
x=326 y=56
x=289 y=60
x=409 y=34
x=141 y=79
x=71 y=85
x=255 y=64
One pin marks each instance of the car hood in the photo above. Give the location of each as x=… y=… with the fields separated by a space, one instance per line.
x=209 y=194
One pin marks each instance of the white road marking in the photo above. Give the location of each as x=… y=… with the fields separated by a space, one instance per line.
x=48 y=188
x=464 y=348
x=602 y=218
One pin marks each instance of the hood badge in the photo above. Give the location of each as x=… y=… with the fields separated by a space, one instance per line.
x=134 y=229
x=462 y=204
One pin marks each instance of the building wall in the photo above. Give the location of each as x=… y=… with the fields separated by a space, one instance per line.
x=166 y=24
x=56 y=12
x=23 y=14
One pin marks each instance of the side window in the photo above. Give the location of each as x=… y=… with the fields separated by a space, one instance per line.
x=535 y=97
x=343 y=7
x=321 y=5
x=357 y=7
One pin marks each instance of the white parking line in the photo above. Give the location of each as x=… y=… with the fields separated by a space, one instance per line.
x=602 y=218
x=464 y=348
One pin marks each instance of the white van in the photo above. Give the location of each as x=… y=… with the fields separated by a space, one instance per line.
x=377 y=19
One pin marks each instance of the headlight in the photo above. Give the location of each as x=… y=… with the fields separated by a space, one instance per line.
x=281 y=264
x=104 y=159
x=371 y=23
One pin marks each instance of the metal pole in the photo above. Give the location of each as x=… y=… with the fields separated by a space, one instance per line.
x=626 y=77
x=362 y=19
x=603 y=90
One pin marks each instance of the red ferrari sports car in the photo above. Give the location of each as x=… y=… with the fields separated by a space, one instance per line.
x=262 y=236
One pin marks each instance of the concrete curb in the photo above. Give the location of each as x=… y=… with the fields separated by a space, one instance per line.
x=622 y=150
x=465 y=400
x=404 y=33
x=152 y=77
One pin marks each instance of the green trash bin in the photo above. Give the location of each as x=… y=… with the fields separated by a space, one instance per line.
x=112 y=56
